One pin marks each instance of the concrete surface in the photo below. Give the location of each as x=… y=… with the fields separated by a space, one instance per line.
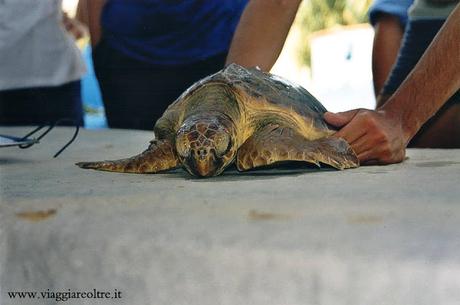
x=372 y=235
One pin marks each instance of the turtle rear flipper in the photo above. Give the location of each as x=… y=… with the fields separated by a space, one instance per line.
x=275 y=144
x=160 y=156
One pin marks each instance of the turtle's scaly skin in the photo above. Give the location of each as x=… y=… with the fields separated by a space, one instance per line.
x=255 y=117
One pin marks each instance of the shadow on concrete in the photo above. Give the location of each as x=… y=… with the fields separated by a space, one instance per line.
x=11 y=161
x=263 y=173
x=436 y=164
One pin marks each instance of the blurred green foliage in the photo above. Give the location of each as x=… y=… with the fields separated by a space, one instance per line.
x=316 y=15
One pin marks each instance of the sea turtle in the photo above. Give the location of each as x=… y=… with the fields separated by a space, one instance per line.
x=253 y=117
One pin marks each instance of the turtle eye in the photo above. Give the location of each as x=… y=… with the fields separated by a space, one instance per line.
x=222 y=143
x=182 y=146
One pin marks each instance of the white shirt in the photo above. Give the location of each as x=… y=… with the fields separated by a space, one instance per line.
x=35 y=49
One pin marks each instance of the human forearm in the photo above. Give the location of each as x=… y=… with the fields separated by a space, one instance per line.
x=434 y=79
x=261 y=33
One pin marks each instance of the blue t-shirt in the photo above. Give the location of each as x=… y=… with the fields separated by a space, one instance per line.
x=171 y=32
x=396 y=8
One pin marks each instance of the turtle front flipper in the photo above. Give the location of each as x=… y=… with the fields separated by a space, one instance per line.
x=160 y=156
x=274 y=144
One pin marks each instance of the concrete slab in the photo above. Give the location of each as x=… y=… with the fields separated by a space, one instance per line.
x=372 y=235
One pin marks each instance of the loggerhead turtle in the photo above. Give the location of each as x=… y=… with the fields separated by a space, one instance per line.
x=254 y=117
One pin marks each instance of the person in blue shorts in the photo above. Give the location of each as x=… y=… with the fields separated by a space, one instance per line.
x=146 y=53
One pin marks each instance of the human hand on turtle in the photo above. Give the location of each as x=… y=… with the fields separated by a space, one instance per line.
x=377 y=137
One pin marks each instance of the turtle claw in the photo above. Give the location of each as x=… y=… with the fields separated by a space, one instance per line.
x=89 y=165
x=122 y=165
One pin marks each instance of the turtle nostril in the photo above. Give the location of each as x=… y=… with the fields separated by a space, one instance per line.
x=202 y=153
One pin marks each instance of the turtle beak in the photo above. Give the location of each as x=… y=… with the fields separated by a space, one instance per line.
x=204 y=169
x=203 y=163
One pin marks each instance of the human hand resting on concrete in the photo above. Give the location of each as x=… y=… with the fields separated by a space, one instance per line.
x=377 y=137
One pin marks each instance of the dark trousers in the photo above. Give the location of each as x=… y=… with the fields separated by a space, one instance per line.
x=136 y=93
x=42 y=105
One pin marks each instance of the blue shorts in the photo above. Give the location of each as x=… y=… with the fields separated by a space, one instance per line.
x=397 y=8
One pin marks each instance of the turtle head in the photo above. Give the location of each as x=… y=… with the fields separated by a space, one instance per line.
x=205 y=144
